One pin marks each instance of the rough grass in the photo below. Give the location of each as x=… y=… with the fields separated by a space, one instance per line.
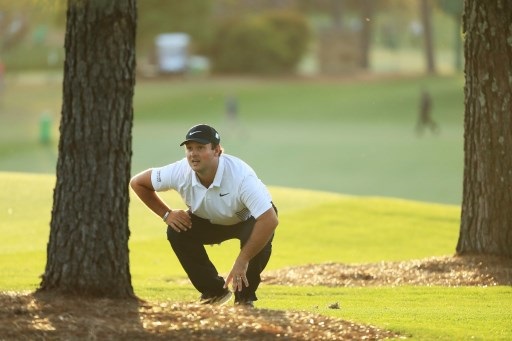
x=343 y=228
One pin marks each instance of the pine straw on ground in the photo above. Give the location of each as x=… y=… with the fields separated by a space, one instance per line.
x=469 y=270
x=43 y=317
x=47 y=317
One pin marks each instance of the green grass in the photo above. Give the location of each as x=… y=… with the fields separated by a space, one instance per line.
x=314 y=227
x=344 y=136
x=424 y=313
x=421 y=313
x=353 y=138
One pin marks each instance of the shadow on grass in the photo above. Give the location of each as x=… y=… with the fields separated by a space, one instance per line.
x=37 y=316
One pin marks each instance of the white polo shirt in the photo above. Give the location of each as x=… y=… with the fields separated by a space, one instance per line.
x=235 y=194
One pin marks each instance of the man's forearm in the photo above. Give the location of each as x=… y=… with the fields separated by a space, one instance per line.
x=261 y=234
x=156 y=204
x=151 y=199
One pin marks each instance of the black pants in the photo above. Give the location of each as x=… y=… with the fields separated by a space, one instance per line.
x=189 y=248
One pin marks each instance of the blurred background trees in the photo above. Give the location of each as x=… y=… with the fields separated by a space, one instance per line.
x=267 y=43
x=193 y=17
x=31 y=34
x=454 y=9
x=266 y=36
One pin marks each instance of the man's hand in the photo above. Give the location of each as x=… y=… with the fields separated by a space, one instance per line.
x=179 y=220
x=261 y=234
x=238 y=275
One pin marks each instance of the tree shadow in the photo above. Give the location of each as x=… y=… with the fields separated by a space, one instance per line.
x=56 y=317
x=52 y=316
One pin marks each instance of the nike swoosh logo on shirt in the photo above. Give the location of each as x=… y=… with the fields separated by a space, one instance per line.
x=221 y=194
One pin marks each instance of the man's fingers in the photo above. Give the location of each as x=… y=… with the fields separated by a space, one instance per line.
x=228 y=280
x=180 y=221
x=179 y=226
x=184 y=218
x=184 y=225
x=176 y=226
x=238 y=283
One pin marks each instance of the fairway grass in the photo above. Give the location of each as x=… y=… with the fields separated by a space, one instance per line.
x=344 y=135
x=424 y=313
x=315 y=227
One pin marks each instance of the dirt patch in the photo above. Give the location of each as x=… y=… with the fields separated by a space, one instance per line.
x=36 y=317
x=29 y=316
x=443 y=271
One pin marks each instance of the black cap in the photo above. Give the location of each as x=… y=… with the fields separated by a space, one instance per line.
x=203 y=134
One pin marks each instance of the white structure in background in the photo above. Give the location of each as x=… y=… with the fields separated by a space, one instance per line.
x=172 y=52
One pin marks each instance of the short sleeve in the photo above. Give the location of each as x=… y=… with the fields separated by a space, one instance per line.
x=255 y=196
x=167 y=177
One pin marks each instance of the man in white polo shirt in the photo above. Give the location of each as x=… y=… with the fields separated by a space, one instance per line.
x=225 y=200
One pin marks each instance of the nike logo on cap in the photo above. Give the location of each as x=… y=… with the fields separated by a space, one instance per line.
x=195 y=132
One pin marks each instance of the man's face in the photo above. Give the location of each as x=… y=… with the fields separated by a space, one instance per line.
x=201 y=157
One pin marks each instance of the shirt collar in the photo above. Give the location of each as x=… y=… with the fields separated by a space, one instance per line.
x=220 y=172
x=218 y=175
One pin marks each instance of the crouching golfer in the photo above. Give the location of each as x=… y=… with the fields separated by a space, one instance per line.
x=225 y=200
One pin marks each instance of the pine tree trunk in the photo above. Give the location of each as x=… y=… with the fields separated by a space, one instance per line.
x=87 y=252
x=486 y=223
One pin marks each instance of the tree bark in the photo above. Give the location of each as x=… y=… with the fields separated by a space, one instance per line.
x=486 y=221
x=87 y=252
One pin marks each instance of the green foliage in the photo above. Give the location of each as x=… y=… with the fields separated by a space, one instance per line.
x=452 y=7
x=28 y=58
x=164 y=16
x=246 y=46
x=294 y=33
x=269 y=43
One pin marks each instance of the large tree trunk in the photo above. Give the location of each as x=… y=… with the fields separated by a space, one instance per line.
x=87 y=252
x=486 y=224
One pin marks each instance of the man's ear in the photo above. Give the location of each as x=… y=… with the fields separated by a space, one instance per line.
x=217 y=150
